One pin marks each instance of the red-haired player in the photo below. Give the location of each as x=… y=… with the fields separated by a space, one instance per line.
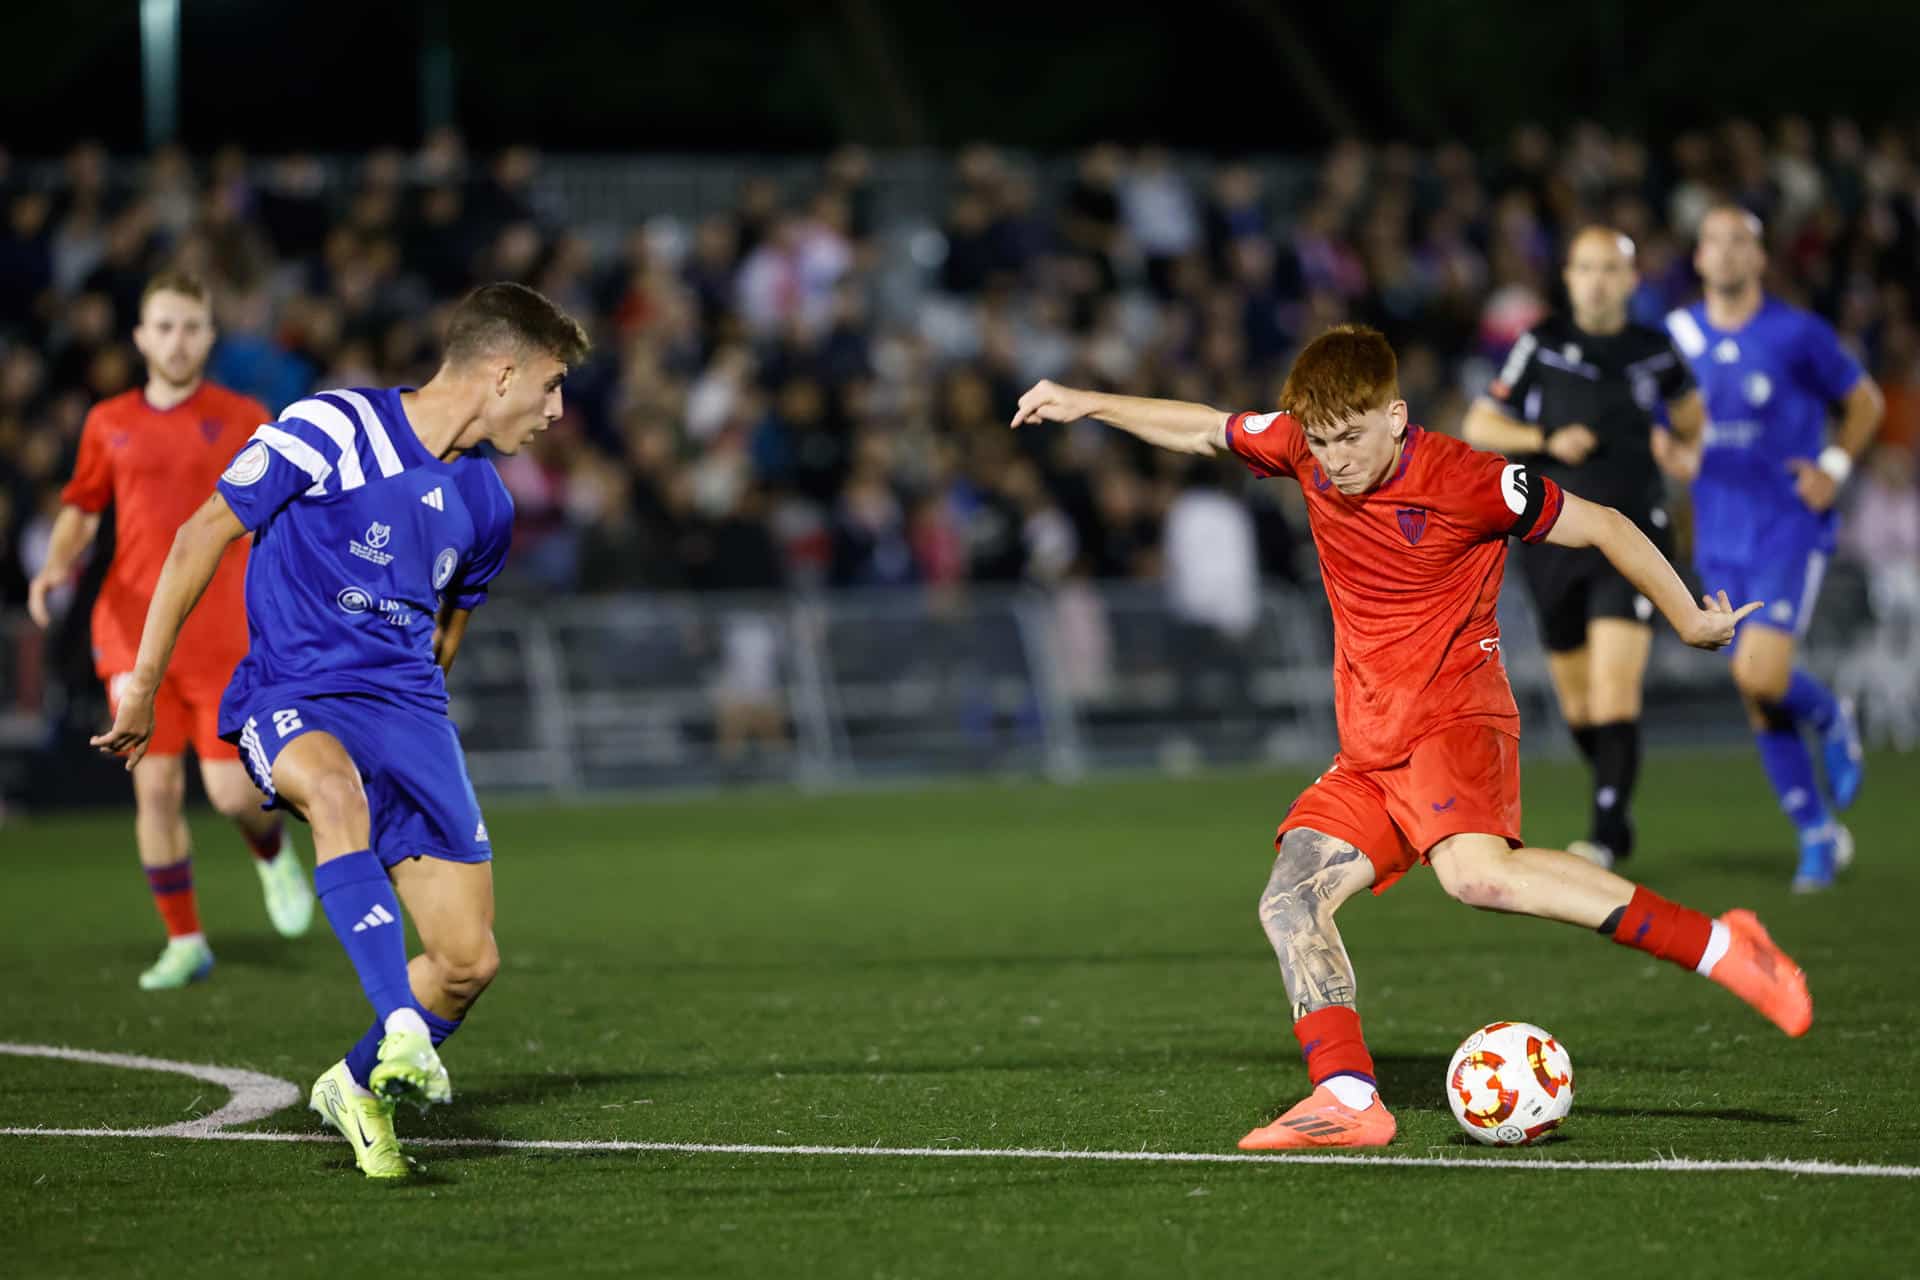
x=1412 y=532
x=154 y=454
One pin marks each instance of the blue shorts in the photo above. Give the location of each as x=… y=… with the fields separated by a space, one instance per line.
x=418 y=795
x=1786 y=586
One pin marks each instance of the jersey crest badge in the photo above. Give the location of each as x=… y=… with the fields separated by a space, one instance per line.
x=1758 y=387
x=1413 y=523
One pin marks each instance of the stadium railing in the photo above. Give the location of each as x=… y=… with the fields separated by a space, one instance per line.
x=642 y=692
x=594 y=694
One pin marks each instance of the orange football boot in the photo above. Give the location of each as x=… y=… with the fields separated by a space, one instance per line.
x=1763 y=975
x=1322 y=1120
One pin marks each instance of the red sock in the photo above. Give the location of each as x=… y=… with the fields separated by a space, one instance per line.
x=265 y=847
x=1661 y=928
x=1331 y=1044
x=173 y=895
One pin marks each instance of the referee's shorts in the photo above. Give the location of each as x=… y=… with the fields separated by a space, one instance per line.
x=1571 y=586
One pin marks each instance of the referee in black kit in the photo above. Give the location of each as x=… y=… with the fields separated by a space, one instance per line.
x=1576 y=400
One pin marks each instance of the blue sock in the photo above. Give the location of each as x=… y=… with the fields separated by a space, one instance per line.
x=362 y=1056
x=1810 y=702
x=1790 y=769
x=360 y=905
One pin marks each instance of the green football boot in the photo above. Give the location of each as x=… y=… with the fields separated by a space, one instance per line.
x=362 y=1119
x=185 y=960
x=409 y=1070
x=288 y=892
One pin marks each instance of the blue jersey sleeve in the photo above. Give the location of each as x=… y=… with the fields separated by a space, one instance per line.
x=492 y=508
x=282 y=461
x=1830 y=369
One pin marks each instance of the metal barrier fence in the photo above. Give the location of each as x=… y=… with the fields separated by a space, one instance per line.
x=626 y=692
x=835 y=690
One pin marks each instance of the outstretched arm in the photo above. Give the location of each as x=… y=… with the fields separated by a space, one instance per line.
x=1176 y=425
x=189 y=567
x=73 y=532
x=1588 y=524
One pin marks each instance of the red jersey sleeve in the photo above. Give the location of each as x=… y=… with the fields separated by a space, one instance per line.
x=1271 y=444
x=1507 y=499
x=91 y=488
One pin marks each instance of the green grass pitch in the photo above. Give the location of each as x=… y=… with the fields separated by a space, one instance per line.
x=1008 y=966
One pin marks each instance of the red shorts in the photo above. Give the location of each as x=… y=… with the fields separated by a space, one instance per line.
x=186 y=709
x=1461 y=780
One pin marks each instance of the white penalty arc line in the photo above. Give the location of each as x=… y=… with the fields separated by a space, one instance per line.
x=252 y=1095
x=256 y=1096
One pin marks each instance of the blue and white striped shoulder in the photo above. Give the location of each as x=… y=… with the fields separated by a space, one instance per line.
x=1686 y=333
x=345 y=426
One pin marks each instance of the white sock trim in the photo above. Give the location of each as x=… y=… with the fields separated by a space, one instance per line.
x=1354 y=1093
x=1717 y=943
x=406 y=1020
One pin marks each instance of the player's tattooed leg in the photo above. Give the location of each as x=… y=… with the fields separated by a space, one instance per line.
x=1313 y=874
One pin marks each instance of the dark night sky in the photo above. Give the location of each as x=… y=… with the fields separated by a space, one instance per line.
x=779 y=75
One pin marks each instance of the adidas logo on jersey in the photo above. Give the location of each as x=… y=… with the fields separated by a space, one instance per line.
x=433 y=499
x=374 y=919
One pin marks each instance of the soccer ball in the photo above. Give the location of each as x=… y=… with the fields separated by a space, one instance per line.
x=1509 y=1083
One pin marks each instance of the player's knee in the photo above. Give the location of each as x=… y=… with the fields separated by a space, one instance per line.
x=161 y=791
x=1617 y=706
x=335 y=800
x=1296 y=888
x=1760 y=681
x=1301 y=856
x=466 y=972
x=1474 y=874
x=233 y=798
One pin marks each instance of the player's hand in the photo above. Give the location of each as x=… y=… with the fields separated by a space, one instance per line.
x=1572 y=444
x=1050 y=402
x=38 y=590
x=1816 y=488
x=132 y=725
x=1713 y=626
x=1676 y=457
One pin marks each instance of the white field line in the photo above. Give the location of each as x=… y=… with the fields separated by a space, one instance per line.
x=253 y=1091
x=254 y=1096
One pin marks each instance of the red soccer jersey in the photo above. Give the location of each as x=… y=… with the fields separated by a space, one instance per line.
x=1412 y=570
x=156 y=467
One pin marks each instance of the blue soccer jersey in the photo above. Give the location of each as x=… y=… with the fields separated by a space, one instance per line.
x=359 y=534
x=1769 y=389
